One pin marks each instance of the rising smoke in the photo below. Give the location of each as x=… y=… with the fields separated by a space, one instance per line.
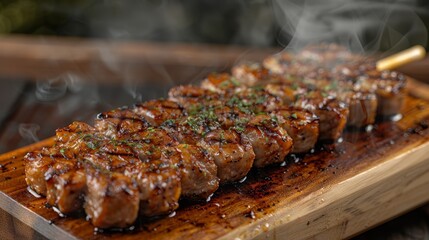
x=363 y=26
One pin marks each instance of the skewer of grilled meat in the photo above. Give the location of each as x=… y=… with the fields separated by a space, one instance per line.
x=140 y=160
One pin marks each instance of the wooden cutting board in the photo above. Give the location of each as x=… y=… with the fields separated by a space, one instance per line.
x=338 y=191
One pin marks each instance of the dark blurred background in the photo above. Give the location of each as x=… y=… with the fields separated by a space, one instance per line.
x=373 y=25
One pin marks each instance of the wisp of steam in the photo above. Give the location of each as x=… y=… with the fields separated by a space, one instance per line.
x=362 y=26
x=28 y=131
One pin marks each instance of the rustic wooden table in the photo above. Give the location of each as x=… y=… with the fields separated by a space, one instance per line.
x=48 y=82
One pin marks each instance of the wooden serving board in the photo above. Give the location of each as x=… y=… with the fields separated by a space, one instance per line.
x=338 y=191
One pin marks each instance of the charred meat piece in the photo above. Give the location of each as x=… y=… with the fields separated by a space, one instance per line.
x=119 y=123
x=198 y=171
x=222 y=83
x=362 y=108
x=256 y=100
x=156 y=112
x=251 y=74
x=192 y=128
x=390 y=90
x=191 y=97
x=66 y=191
x=269 y=141
x=331 y=112
x=112 y=199
x=285 y=92
x=139 y=157
x=65 y=178
x=302 y=126
x=75 y=137
x=279 y=63
x=388 y=86
x=233 y=155
x=159 y=185
x=36 y=165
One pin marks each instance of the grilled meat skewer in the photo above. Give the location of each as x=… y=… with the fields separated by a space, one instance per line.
x=140 y=161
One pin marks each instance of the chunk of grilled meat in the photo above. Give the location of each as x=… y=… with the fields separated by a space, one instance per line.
x=66 y=191
x=120 y=122
x=362 y=108
x=190 y=97
x=156 y=112
x=198 y=170
x=223 y=83
x=65 y=184
x=37 y=164
x=270 y=142
x=252 y=74
x=301 y=125
x=232 y=154
x=332 y=113
x=159 y=185
x=112 y=199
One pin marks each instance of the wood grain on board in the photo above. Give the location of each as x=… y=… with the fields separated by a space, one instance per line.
x=338 y=191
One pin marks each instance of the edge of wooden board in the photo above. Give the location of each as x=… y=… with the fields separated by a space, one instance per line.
x=403 y=182
x=32 y=219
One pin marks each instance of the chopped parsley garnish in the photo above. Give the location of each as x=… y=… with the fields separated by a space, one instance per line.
x=240 y=125
x=274 y=118
x=91 y=145
x=169 y=122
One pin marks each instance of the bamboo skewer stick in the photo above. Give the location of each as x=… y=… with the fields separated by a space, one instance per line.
x=401 y=58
